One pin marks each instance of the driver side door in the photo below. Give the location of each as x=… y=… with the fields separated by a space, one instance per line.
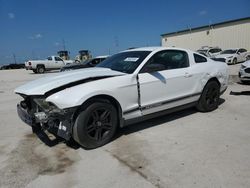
x=169 y=87
x=58 y=63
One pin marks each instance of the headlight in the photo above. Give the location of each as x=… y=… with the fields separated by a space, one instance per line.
x=46 y=106
x=243 y=66
x=229 y=57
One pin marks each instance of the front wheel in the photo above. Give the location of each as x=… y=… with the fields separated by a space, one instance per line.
x=95 y=125
x=209 y=99
x=234 y=61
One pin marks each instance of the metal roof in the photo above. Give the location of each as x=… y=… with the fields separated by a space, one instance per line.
x=205 y=26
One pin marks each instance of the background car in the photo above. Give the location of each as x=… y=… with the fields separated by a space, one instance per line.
x=209 y=51
x=233 y=56
x=13 y=66
x=244 y=73
x=89 y=63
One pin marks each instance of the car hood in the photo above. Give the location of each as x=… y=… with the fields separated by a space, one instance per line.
x=224 y=55
x=246 y=63
x=67 y=79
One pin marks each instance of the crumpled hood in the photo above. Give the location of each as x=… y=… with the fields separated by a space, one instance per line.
x=224 y=55
x=47 y=83
x=246 y=63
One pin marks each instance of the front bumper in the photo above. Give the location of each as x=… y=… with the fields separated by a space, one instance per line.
x=58 y=124
x=24 y=116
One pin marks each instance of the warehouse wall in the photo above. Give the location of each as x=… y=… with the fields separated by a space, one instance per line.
x=230 y=35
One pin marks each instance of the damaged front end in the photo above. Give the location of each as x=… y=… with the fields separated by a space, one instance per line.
x=40 y=114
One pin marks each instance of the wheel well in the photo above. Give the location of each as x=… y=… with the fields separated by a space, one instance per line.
x=40 y=65
x=214 y=79
x=102 y=98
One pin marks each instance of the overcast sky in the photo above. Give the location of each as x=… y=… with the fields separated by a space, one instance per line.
x=36 y=28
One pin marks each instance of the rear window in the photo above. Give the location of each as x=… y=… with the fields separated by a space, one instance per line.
x=199 y=58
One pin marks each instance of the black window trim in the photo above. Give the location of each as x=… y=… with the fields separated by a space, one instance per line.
x=195 y=54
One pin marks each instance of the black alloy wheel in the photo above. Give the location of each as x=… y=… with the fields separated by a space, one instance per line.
x=95 y=125
x=209 y=99
x=99 y=124
x=212 y=97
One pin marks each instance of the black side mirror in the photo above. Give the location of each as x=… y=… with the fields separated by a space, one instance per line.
x=154 y=68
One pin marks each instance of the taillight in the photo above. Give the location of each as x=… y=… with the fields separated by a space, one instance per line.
x=29 y=63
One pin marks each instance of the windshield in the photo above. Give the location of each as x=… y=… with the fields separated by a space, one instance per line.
x=125 y=62
x=229 y=52
x=86 y=62
x=202 y=51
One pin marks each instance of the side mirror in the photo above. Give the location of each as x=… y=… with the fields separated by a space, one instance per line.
x=238 y=53
x=154 y=68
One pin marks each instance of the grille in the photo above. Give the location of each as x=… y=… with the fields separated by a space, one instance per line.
x=247 y=70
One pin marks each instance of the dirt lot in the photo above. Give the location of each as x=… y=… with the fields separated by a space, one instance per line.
x=184 y=149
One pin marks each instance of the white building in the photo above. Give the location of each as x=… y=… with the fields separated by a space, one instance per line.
x=229 y=34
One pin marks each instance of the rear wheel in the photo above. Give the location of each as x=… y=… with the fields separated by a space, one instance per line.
x=209 y=99
x=95 y=125
x=40 y=69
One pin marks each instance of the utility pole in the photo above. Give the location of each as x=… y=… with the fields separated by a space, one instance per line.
x=63 y=42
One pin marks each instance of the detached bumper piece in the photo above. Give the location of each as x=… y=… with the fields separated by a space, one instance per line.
x=60 y=123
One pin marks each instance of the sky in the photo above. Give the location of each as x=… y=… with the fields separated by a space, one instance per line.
x=33 y=29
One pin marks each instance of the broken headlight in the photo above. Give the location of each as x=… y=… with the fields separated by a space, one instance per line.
x=44 y=105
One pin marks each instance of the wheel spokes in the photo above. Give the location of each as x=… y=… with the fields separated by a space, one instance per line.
x=95 y=115
x=98 y=134
x=91 y=128
x=99 y=124
x=105 y=115
x=107 y=126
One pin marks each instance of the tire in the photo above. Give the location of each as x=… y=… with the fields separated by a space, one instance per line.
x=245 y=81
x=40 y=69
x=234 y=61
x=209 y=99
x=96 y=125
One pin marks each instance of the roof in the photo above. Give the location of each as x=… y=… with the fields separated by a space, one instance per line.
x=152 y=48
x=156 y=48
x=206 y=26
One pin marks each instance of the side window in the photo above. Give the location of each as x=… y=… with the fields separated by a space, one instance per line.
x=168 y=59
x=58 y=59
x=242 y=50
x=49 y=58
x=199 y=59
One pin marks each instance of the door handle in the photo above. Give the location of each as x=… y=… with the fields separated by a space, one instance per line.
x=188 y=75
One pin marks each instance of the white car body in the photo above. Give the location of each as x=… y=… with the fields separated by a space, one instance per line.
x=137 y=94
x=240 y=55
x=244 y=73
x=51 y=63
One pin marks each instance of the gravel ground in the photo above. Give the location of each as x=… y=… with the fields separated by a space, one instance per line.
x=184 y=149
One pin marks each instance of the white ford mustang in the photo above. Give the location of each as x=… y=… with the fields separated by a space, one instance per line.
x=88 y=105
